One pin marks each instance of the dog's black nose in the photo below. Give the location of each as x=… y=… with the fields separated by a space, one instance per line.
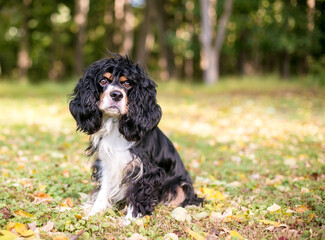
x=116 y=95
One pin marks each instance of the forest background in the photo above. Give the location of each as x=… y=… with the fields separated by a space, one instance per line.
x=186 y=40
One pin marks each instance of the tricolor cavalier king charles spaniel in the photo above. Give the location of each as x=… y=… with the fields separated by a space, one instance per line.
x=115 y=103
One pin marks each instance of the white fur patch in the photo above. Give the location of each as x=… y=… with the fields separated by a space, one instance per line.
x=113 y=151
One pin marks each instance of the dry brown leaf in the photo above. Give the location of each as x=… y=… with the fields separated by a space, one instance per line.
x=301 y=208
x=6 y=214
x=137 y=236
x=275 y=207
x=66 y=173
x=41 y=197
x=48 y=227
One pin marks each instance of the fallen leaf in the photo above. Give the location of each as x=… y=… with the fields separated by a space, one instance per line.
x=32 y=226
x=42 y=188
x=283 y=238
x=194 y=234
x=236 y=234
x=6 y=214
x=10 y=226
x=68 y=202
x=48 y=227
x=42 y=197
x=311 y=216
x=212 y=194
x=60 y=237
x=179 y=214
x=21 y=229
x=270 y=228
x=301 y=208
x=304 y=190
x=137 y=236
x=268 y=222
x=7 y=235
x=78 y=216
x=66 y=173
x=23 y=214
x=200 y=216
x=75 y=237
x=274 y=208
x=170 y=236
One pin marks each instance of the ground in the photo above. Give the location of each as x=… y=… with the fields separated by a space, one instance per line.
x=255 y=149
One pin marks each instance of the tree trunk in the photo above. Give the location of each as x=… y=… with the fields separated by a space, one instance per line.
x=211 y=53
x=118 y=24
x=128 y=29
x=142 y=47
x=166 y=60
x=82 y=8
x=206 y=41
x=285 y=66
x=24 y=62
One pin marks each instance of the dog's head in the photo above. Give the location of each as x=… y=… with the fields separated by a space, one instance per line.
x=116 y=87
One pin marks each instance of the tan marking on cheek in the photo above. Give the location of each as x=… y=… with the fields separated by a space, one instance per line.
x=101 y=101
x=107 y=75
x=180 y=197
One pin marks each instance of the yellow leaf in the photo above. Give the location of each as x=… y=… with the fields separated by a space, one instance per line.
x=68 y=202
x=27 y=233
x=275 y=224
x=212 y=194
x=20 y=167
x=311 y=216
x=236 y=234
x=24 y=214
x=7 y=235
x=301 y=208
x=274 y=208
x=78 y=216
x=20 y=227
x=194 y=234
x=42 y=188
x=60 y=237
x=10 y=226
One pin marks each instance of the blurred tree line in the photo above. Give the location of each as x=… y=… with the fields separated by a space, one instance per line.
x=56 y=39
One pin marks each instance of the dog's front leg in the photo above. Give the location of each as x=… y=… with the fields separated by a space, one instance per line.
x=129 y=216
x=102 y=201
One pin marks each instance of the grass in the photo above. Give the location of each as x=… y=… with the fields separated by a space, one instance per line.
x=248 y=144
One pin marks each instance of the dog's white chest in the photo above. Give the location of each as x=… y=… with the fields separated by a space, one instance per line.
x=113 y=151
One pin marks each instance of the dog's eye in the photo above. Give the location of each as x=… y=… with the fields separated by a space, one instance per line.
x=127 y=84
x=103 y=82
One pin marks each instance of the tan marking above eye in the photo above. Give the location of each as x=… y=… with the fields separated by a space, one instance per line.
x=107 y=75
x=123 y=78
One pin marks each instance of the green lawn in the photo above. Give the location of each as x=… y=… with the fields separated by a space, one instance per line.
x=255 y=149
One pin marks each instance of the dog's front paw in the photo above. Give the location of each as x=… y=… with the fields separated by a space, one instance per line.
x=99 y=207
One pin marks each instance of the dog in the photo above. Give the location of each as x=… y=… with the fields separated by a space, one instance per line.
x=134 y=162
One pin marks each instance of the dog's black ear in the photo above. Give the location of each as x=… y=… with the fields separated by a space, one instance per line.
x=143 y=111
x=83 y=105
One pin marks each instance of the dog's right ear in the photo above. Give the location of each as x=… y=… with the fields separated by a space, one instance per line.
x=83 y=104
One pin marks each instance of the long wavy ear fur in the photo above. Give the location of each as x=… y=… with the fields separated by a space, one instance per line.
x=143 y=111
x=83 y=105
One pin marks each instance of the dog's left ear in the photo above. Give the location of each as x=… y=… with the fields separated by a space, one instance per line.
x=143 y=111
